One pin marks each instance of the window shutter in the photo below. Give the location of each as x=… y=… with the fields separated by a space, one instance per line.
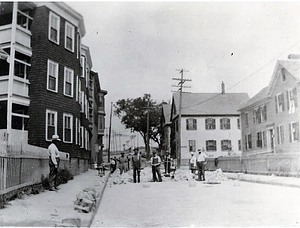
x=288 y=100
x=187 y=124
x=290 y=130
x=278 y=135
x=195 y=124
x=295 y=96
x=283 y=103
x=276 y=104
x=206 y=145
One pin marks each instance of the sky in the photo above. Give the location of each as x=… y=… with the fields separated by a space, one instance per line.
x=138 y=47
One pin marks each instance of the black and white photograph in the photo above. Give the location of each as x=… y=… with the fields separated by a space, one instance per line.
x=149 y=114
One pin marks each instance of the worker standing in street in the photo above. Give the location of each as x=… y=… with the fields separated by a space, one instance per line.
x=122 y=163
x=53 y=163
x=167 y=163
x=155 y=162
x=201 y=161
x=193 y=162
x=136 y=165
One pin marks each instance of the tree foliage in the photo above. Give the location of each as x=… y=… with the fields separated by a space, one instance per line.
x=133 y=114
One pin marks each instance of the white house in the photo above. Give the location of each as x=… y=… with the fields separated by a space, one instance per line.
x=209 y=121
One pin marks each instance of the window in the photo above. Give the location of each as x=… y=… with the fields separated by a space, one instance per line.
x=81 y=137
x=249 y=140
x=192 y=145
x=51 y=124
x=263 y=110
x=69 y=37
x=246 y=119
x=52 y=76
x=246 y=142
x=78 y=132
x=82 y=62
x=100 y=123
x=259 y=139
x=68 y=128
x=191 y=124
x=292 y=102
x=68 y=82
x=210 y=123
x=280 y=134
x=211 y=145
x=294 y=131
x=81 y=101
x=226 y=145
x=78 y=45
x=240 y=144
x=283 y=75
x=256 y=116
x=54 y=24
x=279 y=101
x=238 y=123
x=225 y=123
x=264 y=139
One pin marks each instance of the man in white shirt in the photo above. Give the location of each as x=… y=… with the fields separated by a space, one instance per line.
x=193 y=162
x=201 y=165
x=155 y=163
x=53 y=162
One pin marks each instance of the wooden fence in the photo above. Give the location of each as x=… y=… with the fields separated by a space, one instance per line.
x=267 y=164
x=24 y=165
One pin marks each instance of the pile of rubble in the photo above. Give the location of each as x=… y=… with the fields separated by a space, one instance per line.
x=215 y=176
x=86 y=200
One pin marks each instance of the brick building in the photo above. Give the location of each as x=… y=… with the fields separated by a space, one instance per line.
x=44 y=77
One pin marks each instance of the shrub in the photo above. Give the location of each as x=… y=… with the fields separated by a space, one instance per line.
x=64 y=175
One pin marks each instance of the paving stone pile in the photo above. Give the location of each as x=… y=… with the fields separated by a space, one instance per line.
x=86 y=200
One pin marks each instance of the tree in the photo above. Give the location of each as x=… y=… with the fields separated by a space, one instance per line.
x=133 y=114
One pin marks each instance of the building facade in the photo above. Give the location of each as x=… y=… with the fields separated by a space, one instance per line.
x=209 y=121
x=270 y=120
x=45 y=77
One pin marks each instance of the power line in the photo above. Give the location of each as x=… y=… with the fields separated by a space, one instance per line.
x=249 y=76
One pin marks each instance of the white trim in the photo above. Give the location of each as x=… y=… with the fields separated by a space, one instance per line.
x=51 y=14
x=64 y=127
x=76 y=130
x=82 y=136
x=56 y=75
x=55 y=123
x=66 y=69
x=76 y=87
x=67 y=24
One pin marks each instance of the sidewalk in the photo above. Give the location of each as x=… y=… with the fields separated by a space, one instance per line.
x=263 y=179
x=51 y=208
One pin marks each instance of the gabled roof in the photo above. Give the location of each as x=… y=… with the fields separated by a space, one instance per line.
x=166 y=111
x=291 y=65
x=258 y=97
x=209 y=103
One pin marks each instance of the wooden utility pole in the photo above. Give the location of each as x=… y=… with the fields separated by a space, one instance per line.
x=108 y=152
x=180 y=85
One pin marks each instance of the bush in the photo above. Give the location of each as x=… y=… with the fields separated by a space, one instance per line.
x=64 y=175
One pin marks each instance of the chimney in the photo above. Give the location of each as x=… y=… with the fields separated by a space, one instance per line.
x=223 y=88
x=293 y=56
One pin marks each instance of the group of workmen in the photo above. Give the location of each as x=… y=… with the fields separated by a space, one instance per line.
x=135 y=162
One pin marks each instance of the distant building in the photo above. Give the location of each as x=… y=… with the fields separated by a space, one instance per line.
x=209 y=121
x=270 y=120
x=166 y=128
x=44 y=77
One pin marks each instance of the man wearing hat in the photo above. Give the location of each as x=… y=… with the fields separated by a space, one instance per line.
x=122 y=161
x=53 y=162
x=136 y=165
x=193 y=162
x=155 y=163
x=201 y=161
